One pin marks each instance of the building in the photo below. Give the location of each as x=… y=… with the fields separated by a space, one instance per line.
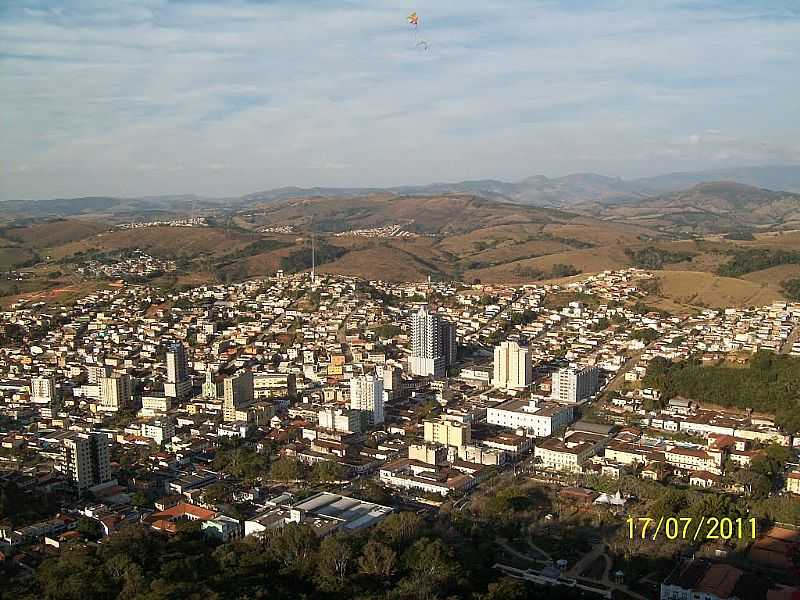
x=793 y=482
x=512 y=367
x=98 y=372
x=115 y=393
x=558 y=455
x=178 y=384
x=366 y=395
x=537 y=418
x=449 y=343
x=211 y=388
x=340 y=419
x=447 y=432
x=704 y=580
x=43 y=390
x=159 y=430
x=270 y=385
x=153 y=405
x=237 y=394
x=571 y=384
x=433 y=344
x=84 y=460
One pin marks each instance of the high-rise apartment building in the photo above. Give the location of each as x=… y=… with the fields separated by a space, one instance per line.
x=433 y=344
x=84 y=460
x=115 y=392
x=237 y=393
x=512 y=367
x=571 y=384
x=178 y=384
x=366 y=395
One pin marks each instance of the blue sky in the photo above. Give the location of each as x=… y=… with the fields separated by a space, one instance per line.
x=229 y=97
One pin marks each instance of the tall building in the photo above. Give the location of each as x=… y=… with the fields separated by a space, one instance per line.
x=571 y=384
x=433 y=344
x=178 y=384
x=449 y=343
x=366 y=395
x=237 y=393
x=84 y=460
x=512 y=367
x=210 y=386
x=447 y=432
x=97 y=372
x=115 y=392
x=43 y=390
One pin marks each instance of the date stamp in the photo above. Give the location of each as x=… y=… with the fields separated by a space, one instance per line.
x=690 y=528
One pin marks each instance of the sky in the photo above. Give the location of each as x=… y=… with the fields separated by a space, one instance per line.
x=222 y=98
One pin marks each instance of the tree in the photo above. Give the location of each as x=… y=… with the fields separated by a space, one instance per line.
x=399 y=529
x=378 y=559
x=89 y=528
x=328 y=471
x=294 y=545
x=432 y=560
x=287 y=469
x=335 y=559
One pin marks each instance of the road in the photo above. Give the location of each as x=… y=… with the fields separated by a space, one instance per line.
x=794 y=336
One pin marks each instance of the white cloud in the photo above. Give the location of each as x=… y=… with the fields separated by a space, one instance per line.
x=283 y=94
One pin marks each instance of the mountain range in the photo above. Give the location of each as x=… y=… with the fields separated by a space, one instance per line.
x=565 y=192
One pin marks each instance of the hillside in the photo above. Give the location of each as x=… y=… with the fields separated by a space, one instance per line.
x=773 y=177
x=707 y=208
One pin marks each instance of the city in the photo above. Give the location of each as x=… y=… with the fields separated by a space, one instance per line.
x=348 y=401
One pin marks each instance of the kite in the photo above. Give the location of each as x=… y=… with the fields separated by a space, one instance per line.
x=413 y=20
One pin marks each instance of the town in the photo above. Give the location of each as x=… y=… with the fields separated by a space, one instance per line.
x=334 y=402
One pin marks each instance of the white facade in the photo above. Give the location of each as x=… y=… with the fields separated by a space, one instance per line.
x=178 y=384
x=43 y=390
x=571 y=384
x=366 y=395
x=84 y=460
x=427 y=358
x=115 y=392
x=159 y=431
x=536 y=418
x=512 y=367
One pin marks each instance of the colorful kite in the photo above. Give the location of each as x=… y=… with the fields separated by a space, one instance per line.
x=413 y=20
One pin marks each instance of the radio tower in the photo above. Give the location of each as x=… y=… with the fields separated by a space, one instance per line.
x=313 y=252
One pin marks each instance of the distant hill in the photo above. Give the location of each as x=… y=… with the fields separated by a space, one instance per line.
x=714 y=207
x=536 y=191
x=773 y=177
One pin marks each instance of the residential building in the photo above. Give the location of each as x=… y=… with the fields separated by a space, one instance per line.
x=512 y=367
x=447 y=432
x=340 y=419
x=43 y=390
x=237 y=394
x=428 y=353
x=84 y=460
x=178 y=384
x=366 y=395
x=115 y=393
x=159 y=430
x=571 y=384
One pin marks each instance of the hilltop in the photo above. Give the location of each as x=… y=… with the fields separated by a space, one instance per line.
x=713 y=207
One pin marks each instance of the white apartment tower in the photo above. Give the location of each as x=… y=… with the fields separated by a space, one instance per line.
x=571 y=384
x=179 y=384
x=43 y=390
x=84 y=460
x=366 y=395
x=237 y=393
x=512 y=367
x=115 y=392
x=433 y=344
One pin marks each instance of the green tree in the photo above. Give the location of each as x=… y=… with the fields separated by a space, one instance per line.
x=378 y=560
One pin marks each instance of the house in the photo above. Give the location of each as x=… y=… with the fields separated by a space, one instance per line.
x=703 y=479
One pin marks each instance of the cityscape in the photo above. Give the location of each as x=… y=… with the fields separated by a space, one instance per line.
x=390 y=301
x=339 y=404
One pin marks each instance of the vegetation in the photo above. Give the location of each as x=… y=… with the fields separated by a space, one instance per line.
x=300 y=260
x=403 y=558
x=655 y=258
x=791 y=287
x=757 y=259
x=557 y=271
x=770 y=383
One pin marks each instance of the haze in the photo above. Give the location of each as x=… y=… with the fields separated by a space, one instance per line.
x=225 y=98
